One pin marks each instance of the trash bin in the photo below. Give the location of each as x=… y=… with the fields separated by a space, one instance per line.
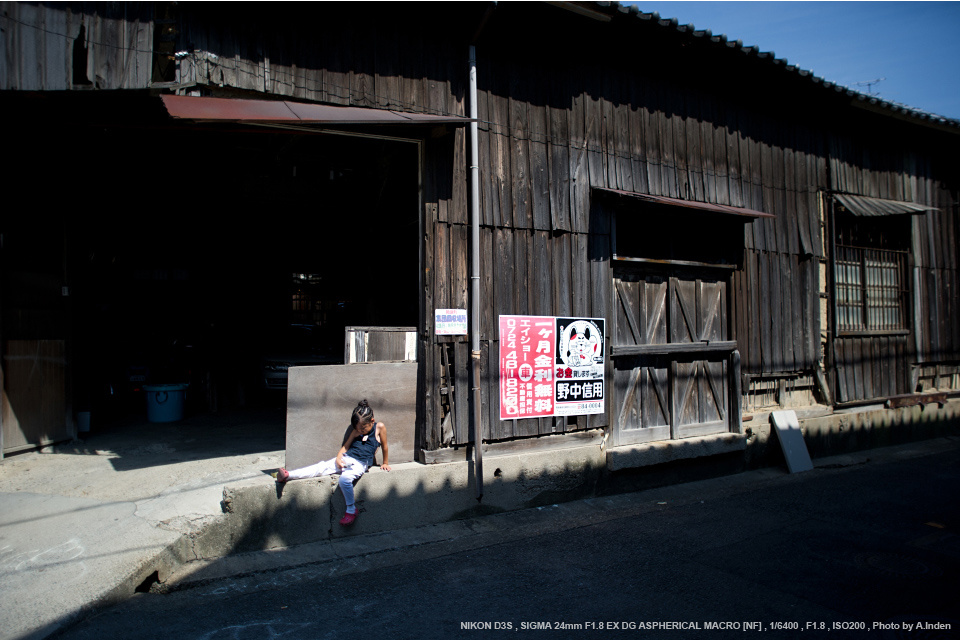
x=83 y=421
x=165 y=402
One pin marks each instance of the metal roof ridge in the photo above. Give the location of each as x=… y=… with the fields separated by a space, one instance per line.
x=895 y=107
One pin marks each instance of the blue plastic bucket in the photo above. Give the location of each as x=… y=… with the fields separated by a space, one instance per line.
x=165 y=402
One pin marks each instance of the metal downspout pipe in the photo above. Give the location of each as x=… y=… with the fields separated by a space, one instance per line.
x=475 y=277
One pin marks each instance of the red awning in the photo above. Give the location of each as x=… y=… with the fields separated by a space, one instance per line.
x=691 y=204
x=274 y=111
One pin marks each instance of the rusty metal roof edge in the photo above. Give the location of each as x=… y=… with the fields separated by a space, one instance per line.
x=176 y=107
x=870 y=206
x=896 y=108
x=690 y=204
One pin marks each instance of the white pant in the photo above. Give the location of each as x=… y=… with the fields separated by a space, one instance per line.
x=352 y=469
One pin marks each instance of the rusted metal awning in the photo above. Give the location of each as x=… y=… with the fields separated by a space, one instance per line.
x=286 y=112
x=691 y=204
x=872 y=207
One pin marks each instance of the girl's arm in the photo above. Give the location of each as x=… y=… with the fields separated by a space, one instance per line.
x=382 y=437
x=346 y=445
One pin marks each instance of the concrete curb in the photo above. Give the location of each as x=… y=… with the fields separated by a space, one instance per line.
x=263 y=515
x=343 y=555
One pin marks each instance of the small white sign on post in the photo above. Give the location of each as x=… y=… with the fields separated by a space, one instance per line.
x=450 y=322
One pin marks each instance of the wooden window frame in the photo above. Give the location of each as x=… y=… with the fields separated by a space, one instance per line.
x=854 y=257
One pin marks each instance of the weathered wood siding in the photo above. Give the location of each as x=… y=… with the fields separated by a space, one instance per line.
x=38 y=40
x=897 y=168
x=34 y=394
x=627 y=105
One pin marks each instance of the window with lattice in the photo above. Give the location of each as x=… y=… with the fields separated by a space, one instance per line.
x=871 y=273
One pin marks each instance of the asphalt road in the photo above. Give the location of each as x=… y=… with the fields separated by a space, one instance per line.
x=869 y=550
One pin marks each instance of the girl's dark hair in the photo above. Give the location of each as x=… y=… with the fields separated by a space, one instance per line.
x=362 y=413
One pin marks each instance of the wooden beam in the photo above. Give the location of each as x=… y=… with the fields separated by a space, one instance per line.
x=694 y=348
x=513 y=447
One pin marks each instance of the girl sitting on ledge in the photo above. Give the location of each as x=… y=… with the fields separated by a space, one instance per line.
x=352 y=461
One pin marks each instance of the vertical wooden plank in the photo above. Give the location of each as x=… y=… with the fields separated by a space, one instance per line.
x=459 y=208
x=608 y=131
x=866 y=366
x=460 y=262
x=489 y=195
x=793 y=308
x=856 y=365
x=724 y=166
x=876 y=358
x=462 y=399
x=763 y=314
x=580 y=268
x=650 y=122
x=731 y=136
x=539 y=169
x=636 y=142
x=903 y=375
x=489 y=325
x=542 y=275
x=492 y=427
x=519 y=149
x=696 y=156
x=668 y=158
x=593 y=133
x=756 y=289
x=842 y=392
x=579 y=169
x=708 y=123
x=505 y=276
x=558 y=155
x=441 y=267
x=501 y=152
x=887 y=382
x=562 y=270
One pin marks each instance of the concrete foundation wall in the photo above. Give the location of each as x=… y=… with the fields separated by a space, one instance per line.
x=855 y=430
x=261 y=514
x=320 y=401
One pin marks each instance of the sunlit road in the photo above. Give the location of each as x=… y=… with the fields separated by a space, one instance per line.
x=872 y=545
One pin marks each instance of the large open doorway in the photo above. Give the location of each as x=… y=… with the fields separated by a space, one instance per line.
x=212 y=254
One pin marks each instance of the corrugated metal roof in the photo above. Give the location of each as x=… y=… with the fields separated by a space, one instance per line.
x=864 y=206
x=895 y=108
x=276 y=111
x=690 y=204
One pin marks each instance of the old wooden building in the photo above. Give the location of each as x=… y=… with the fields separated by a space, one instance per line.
x=755 y=236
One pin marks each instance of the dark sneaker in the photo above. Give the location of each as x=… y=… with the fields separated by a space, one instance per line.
x=348 y=519
x=282 y=475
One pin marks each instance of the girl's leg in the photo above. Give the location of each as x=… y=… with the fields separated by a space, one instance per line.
x=351 y=471
x=323 y=468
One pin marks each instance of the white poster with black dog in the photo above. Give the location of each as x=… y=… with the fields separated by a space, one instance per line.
x=551 y=366
x=580 y=365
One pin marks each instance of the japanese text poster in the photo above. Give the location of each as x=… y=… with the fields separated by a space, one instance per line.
x=551 y=366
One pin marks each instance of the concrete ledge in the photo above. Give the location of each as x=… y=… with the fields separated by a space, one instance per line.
x=262 y=515
x=644 y=455
x=856 y=429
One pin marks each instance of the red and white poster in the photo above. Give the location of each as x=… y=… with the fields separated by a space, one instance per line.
x=551 y=366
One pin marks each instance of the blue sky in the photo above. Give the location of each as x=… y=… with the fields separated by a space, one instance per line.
x=915 y=46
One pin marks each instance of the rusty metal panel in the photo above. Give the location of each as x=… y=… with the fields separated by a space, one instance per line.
x=864 y=206
x=691 y=204
x=230 y=110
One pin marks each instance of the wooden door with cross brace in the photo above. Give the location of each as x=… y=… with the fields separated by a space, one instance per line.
x=671 y=352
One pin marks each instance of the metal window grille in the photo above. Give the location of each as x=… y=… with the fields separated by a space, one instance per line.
x=871 y=289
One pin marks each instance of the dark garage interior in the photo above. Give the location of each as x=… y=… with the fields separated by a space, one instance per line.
x=169 y=252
